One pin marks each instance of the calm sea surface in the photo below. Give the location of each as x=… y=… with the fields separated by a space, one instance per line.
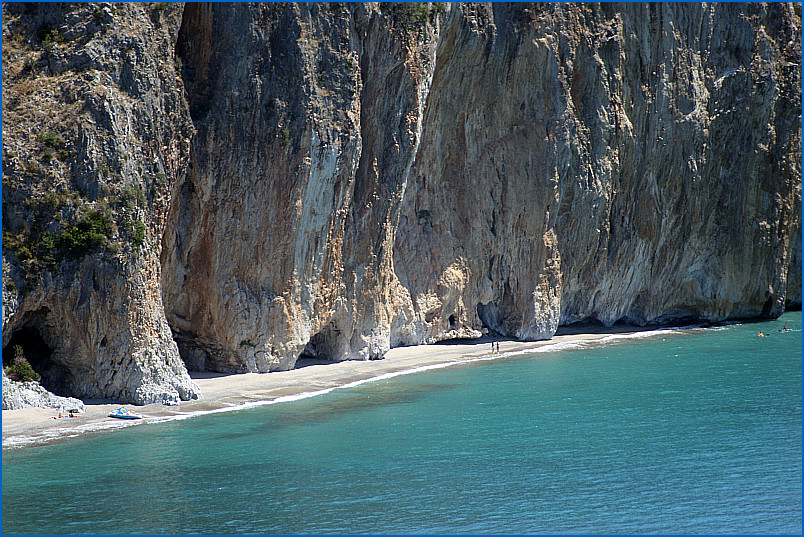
x=682 y=433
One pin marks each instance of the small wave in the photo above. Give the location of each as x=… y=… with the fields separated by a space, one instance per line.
x=549 y=348
x=601 y=341
x=641 y=335
x=53 y=435
x=306 y=395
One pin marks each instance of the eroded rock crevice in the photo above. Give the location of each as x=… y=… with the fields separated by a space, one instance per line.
x=194 y=52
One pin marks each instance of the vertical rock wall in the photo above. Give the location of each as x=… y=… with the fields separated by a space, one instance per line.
x=411 y=176
x=635 y=162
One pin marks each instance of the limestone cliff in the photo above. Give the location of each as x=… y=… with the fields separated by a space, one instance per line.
x=95 y=141
x=332 y=180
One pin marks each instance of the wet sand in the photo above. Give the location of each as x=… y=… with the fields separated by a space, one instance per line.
x=34 y=426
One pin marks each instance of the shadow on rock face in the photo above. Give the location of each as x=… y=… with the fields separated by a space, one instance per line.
x=55 y=377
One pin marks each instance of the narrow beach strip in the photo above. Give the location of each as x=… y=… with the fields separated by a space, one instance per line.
x=225 y=393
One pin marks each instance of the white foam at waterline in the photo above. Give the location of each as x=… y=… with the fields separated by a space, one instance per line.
x=599 y=342
x=646 y=334
x=639 y=335
x=306 y=395
x=553 y=347
x=47 y=436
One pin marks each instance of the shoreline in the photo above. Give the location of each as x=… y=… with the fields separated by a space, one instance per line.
x=229 y=392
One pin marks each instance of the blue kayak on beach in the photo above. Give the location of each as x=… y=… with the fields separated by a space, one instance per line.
x=125 y=414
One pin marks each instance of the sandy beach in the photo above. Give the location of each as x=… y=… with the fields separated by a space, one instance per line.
x=34 y=426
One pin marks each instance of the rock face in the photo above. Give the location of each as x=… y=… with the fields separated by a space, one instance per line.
x=630 y=172
x=361 y=181
x=94 y=84
x=333 y=180
x=18 y=395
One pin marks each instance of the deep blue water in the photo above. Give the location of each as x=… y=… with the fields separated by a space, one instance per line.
x=683 y=433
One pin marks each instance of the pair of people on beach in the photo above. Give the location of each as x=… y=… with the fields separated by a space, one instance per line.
x=495 y=347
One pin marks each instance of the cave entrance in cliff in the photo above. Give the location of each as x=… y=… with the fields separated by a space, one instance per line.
x=320 y=349
x=489 y=318
x=767 y=308
x=54 y=377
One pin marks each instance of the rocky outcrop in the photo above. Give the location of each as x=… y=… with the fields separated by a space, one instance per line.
x=332 y=180
x=285 y=227
x=18 y=395
x=96 y=134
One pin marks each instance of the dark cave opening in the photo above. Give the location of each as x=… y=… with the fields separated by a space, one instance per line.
x=55 y=377
x=200 y=357
x=488 y=314
x=34 y=348
x=313 y=354
x=321 y=349
x=194 y=358
x=768 y=307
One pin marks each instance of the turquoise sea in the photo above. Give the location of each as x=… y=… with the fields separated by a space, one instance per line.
x=683 y=432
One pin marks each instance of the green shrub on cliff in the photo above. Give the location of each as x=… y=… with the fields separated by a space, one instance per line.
x=411 y=15
x=88 y=235
x=137 y=234
x=16 y=243
x=49 y=37
x=20 y=369
x=53 y=235
x=51 y=139
x=132 y=196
